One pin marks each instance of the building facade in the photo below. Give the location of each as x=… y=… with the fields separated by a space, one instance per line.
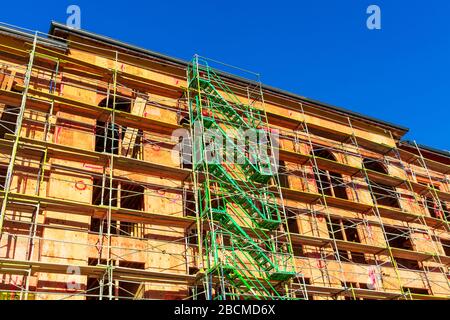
x=108 y=191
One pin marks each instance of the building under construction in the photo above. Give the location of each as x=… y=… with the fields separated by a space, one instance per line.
x=108 y=191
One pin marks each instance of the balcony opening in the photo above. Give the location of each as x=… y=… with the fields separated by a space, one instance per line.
x=384 y=195
x=329 y=183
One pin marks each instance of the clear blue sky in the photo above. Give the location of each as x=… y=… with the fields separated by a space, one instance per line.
x=320 y=49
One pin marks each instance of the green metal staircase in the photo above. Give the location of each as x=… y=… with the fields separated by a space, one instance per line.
x=248 y=212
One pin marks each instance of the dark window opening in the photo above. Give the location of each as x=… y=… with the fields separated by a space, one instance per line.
x=96 y=225
x=292 y=223
x=199 y=292
x=128 y=228
x=328 y=182
x=416 y=290
x=192 y=237
x=101 y=192
x=131 y=289
x=107 y=135
x=357 y=257
x=346 y=231
x=93 y=284
x=323 y=153
x=353 y=285
x=283 y=174
x=185 y=152
x=397 y=239
x=218 y=203
x=3 y=172
x=408 y=264
x=323 y=183
x=335 y=228
x=193 y=270
x=226 y=240
x=132 y=143
x=8 y=120
x=384 y=195
x=351 y=232
x=131 y=196
x=121 y=104
x=338 y=185
x=183 y=118
x=446 y=247
x=435 y=210
x=101 y=196
x=189 y=204
x=298 y=250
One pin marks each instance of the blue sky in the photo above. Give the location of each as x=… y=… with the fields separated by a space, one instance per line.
x=320 y=49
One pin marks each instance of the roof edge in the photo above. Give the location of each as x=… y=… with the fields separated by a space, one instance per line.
x=440 y=152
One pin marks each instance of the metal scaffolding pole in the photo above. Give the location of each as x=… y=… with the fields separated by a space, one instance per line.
x=17 y=133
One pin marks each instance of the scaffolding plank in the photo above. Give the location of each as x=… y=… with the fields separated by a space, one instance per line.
x=347 y=204
x=292 y=156
x=384 y=179
x=309 y=240
x=293 y=194
x=441 y=194
x=40 y=100
x=11 y=265
x=359 y=247
x=334 y=166
x=80 y=208
x=123 y=77
x=93 y=157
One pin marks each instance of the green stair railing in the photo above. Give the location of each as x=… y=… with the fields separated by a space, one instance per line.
x=244 y=187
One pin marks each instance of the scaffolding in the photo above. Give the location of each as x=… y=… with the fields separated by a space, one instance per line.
x=338 y=217
x=234 y=197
